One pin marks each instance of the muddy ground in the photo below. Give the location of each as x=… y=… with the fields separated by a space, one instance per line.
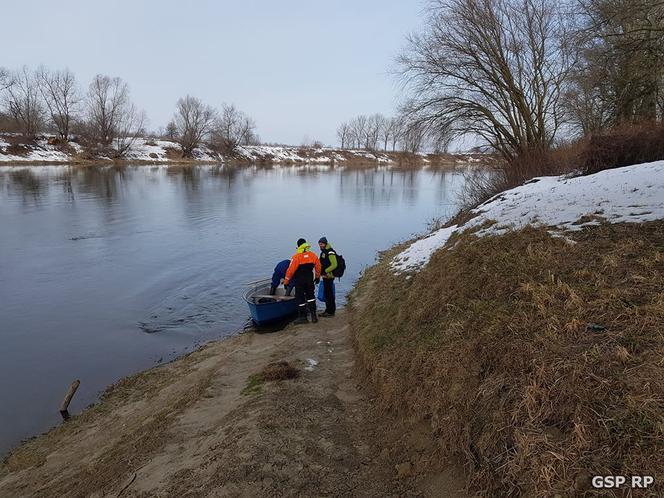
x=200 y=427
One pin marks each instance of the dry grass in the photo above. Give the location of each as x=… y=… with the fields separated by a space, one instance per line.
x=274 y=371
x=536 y=361
x=279 y=370
x=17 y=150
x=172 y=153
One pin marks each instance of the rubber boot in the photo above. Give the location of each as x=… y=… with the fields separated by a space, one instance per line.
x=302 y=315
x=312 y=309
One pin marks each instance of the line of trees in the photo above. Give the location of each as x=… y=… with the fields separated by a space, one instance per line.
x=41 y=100
x=105 y=118
x=523 y=74
x=377 y=132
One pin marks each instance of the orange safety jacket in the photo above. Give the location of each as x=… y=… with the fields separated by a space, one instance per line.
x=303 y=259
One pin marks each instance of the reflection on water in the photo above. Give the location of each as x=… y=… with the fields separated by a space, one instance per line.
x=105 y=271
x=370 y=187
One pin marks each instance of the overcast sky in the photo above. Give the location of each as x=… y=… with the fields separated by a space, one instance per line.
x=298 y=67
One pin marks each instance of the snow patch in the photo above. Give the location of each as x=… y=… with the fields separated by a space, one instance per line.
x=630 y=194
x=311 y=363
x=420 y=251
x=633 y=194
x=40 y=151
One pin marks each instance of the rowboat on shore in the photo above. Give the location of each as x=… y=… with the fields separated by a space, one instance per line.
x=265 y=308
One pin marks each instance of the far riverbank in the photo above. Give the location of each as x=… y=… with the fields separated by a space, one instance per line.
x=46 y=150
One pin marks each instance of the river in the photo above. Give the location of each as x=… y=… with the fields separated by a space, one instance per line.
x=107 y=271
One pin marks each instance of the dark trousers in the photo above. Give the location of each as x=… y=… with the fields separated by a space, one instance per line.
x=304 y=294
x=330 y=303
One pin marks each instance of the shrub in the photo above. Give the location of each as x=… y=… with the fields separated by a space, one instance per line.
x=623 y=146
x=481 y=185
x=614 y=148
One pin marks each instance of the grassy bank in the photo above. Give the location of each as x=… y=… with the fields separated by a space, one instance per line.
x=536 y=361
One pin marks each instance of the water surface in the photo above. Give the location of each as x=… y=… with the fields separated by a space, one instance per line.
x=107 y=271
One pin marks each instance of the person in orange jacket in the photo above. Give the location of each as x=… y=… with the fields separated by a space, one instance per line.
x=304 y=270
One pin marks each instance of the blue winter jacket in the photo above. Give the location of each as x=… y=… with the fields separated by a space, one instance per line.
x=280 y=272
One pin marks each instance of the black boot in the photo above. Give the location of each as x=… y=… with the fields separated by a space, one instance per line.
x=312 y=309
x=302 y=315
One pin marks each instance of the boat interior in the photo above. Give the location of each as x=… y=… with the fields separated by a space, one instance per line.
x=260 y=294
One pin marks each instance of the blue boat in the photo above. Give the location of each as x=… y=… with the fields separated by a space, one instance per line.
x=266 y=309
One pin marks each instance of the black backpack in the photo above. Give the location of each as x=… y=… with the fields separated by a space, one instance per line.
x=341 y=267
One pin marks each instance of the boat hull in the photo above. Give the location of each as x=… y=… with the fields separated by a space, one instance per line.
x=266 y=310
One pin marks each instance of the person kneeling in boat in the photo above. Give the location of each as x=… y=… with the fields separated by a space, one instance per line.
x=278 y=275
x=304 y=270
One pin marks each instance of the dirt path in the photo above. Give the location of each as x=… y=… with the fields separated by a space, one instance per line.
x=188 y=429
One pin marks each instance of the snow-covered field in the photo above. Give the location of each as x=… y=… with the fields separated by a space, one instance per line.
x=632 y=194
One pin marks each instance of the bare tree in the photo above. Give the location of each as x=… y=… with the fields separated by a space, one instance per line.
x=590 y=100
x=358 y=131
x=439 y=139
x=492 y=68
x=113 y=118
x=232 y=129
x=396 y=131
x=413 y=136
x=386 y=130
x=130 y=126
x=62 y=97
x=353 y=138
x=380 y=124
x=5 y=78
x=193 y=122
x=23 y=101
x=372 y=131
x=107 y=101
x=343 y=134
x=171 y=131
x=5 y=82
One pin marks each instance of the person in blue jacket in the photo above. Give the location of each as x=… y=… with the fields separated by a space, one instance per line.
x=278 y=275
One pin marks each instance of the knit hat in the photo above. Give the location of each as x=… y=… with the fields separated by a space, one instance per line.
x=322 y=240
x=301 y=241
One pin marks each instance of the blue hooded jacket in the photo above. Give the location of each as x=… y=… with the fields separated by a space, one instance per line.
x=280 y=272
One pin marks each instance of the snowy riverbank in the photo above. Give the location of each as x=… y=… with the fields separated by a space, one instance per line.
x=561 y=203
x=46 y=150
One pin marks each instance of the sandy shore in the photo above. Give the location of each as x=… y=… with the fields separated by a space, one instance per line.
x=193 y=428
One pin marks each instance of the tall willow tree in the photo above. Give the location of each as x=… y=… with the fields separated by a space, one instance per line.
x=491 y=68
